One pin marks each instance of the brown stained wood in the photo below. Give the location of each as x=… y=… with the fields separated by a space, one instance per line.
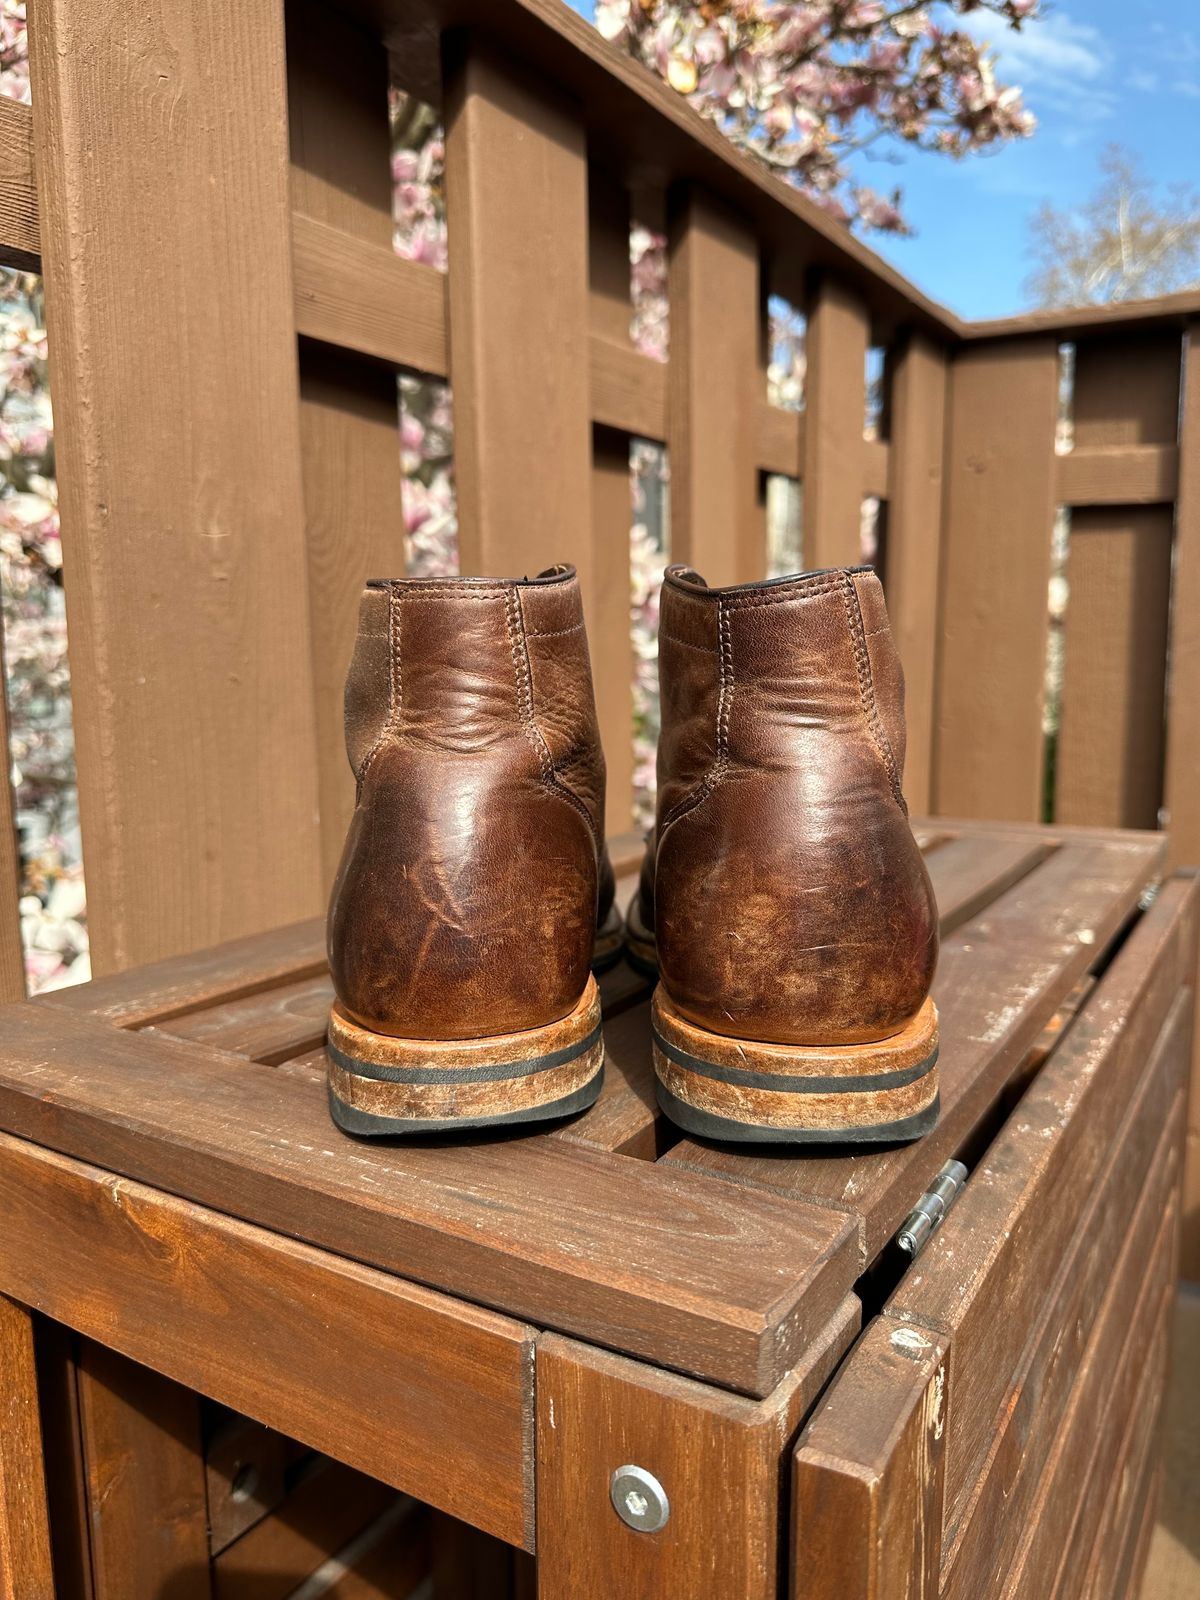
x=1127 y=1339
x=625 y=1118
x=328 y=1507
x=1182 y=782
x=996 y=1456
x=969 y=874
x=349 y=425
x=780 y=439
x=165 y=990
x=835 y=409
x=868 y=1473
x=1110 y=744
x=390 y=1559
x=183 y=561
x=244 y=1465
x=1110 y=748
x=914 y=541
x=469 y=1565
x=62 y=1446
x=1000 y=978
x=1165 y=311
x=12 y=957
x=142 y=1451
x=359 y=295
x=1000 y=498
x=25 y=1567
x=609 y=600
x=1115 y=475
x=516 y=211
x=426 y=1394
x=286 y=1021
x=715 y=389
x=722 y=1460
x=20 y=234
x=653 y=1262
x=627 y=390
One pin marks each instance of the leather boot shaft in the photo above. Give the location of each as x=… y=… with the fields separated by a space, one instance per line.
x=465 y=904
x=791 y=902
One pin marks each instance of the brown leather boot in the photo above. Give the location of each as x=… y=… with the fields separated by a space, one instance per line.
x=463 y=918
x=794 y=920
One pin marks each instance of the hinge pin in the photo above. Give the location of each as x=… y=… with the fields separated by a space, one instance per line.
x=932 y=1209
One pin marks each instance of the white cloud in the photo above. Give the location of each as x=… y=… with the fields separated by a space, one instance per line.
x=1054 y=59
x=1145 y=82
x=1191 y=90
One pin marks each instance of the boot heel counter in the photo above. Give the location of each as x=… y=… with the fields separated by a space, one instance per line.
x=451 y=919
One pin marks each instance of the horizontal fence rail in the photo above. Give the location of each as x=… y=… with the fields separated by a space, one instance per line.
x=239 y=302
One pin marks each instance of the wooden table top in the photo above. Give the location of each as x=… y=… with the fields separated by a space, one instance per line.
x=204 y=1077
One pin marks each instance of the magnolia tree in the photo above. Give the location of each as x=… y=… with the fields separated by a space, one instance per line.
x=806 y=85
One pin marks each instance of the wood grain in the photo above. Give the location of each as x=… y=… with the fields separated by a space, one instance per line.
x=349 y=423
x=721 y=1459
x=1000 y=488
x=914 y=542
x=244 y=1467
x=835 y=413
x=142 y=1448
x=868 y=1473
x=25 y=1568
x=1115 y=475
x=652 y=1262
x=1110 y=747
x=714 y=391
x=516 y=213
x=320 y=1341
x=20 y=233
x=186 y=598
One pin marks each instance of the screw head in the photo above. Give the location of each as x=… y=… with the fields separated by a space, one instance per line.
x=639 y=1499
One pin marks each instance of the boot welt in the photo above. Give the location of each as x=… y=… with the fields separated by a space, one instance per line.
x=383 y=1085
x=884 y=1092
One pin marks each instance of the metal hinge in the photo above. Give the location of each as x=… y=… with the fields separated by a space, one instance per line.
x=932 y=1209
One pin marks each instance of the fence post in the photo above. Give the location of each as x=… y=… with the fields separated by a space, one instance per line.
x=516 y=210
x=349 y=423
x=835 y=404
x=166 y=253
x=714 y=392
x=1000 y=490
x=914 y=543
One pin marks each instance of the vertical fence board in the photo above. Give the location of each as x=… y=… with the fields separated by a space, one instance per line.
x=162 y=178
x=996 y=573
x=25 y=1569
x=608 y=605
x=341 y=174
x=1110 y=748
x=914 y=543
x=835 y=389
x=713 y=388
x=516 y=211
x=1183 y=735
x=145 y=1481
x=12 y=959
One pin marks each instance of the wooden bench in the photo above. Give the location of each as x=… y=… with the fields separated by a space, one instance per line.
x=494 y=1326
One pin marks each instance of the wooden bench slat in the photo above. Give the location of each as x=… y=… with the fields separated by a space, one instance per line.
x=651 y=1262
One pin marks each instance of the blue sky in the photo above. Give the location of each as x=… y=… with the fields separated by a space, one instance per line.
x=1094 y=72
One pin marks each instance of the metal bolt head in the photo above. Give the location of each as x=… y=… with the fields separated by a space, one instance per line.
x=639 y=1499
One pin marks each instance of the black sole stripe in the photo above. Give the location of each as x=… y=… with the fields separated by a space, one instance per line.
x=707 y=1125
x=379 y=1125
x=787 y=1084
x=449 y=1075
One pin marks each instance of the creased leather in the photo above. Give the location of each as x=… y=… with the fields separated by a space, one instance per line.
x=790 y=901
x=467 y=896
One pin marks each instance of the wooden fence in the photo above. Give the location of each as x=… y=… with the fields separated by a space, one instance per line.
x=207 y=189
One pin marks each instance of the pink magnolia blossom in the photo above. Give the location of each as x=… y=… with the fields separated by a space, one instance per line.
x=806 y=83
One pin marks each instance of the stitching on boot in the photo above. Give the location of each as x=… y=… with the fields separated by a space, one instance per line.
x=514 y=617
x=716 y=772
x=395 y=689
x=866 y=689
